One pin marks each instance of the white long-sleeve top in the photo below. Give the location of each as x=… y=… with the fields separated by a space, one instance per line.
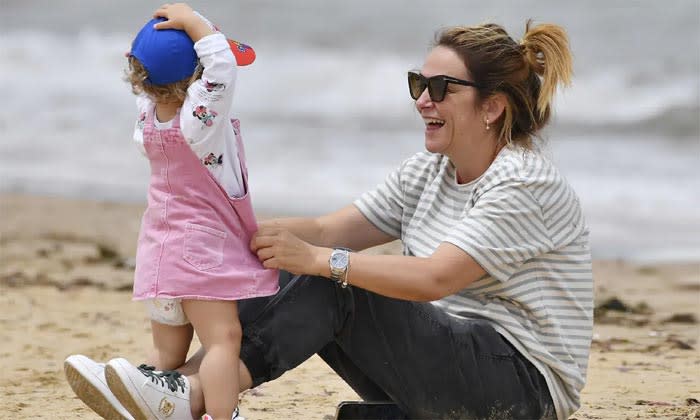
x=205 y=116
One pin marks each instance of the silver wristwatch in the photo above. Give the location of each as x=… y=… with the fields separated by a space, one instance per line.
x=339 y=263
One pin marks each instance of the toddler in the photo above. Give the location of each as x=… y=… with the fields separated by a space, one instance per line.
x=193 y=260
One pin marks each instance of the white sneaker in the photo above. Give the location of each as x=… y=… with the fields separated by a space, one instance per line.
x=149 y=394
x=87 y=379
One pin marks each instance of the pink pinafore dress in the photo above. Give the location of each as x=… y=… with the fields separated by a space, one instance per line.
x=194 y=238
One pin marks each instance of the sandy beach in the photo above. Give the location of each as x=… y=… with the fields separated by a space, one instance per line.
x=65 y=279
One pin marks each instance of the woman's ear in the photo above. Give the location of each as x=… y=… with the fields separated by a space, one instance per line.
x=494 y=106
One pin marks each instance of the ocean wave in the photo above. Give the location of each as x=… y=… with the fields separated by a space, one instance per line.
x=331 y=87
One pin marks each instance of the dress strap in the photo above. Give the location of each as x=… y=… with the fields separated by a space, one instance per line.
x=239 y=146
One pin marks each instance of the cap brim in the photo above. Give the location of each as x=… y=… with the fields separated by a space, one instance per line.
x=244 y=54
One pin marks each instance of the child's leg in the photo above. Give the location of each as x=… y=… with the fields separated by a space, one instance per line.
x=172 y=333
x=219 y=330
x=170 y=345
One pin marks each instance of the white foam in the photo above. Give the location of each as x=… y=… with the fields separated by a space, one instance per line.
x=322 y=126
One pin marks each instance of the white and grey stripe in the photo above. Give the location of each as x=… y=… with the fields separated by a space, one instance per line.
x=523 y=224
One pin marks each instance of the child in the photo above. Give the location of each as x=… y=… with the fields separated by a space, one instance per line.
x=193 y=260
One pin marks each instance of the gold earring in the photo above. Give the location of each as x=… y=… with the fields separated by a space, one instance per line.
x=488 y=127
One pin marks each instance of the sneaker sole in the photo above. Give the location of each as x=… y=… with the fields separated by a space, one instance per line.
x=90 y=394
x=116 y=385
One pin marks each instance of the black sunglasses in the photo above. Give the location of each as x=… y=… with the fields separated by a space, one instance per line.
x=437 y=85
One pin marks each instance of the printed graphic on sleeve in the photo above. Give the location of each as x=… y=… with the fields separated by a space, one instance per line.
x=204 y=115
x=142 y=121
x=213 y=86
x=212 y=160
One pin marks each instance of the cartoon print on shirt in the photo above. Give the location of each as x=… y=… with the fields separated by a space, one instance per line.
x=213 y=86
x=212 y=160
x=204 y=115
x=141 y=121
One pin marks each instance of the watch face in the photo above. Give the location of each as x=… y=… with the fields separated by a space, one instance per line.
x=339 y=260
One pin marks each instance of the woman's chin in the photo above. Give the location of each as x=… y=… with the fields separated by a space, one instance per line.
x=433 y=146
x=435 y=139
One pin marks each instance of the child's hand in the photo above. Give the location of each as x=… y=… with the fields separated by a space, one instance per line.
x=181 y=16
x=178 y=15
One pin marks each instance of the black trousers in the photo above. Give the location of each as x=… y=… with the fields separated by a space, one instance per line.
x=432 y=365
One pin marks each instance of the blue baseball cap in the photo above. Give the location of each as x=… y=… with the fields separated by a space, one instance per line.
x=167 y=54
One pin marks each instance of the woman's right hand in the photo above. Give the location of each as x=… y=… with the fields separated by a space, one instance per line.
x=278 y=248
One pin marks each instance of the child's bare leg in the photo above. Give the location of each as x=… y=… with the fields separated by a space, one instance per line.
x=172 y=333
x=170 y=345
x=219 y=330
x=191 y=370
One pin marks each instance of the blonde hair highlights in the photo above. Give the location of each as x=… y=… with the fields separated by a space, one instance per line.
x=546 y=49
x=527 y=73
x=137 y=76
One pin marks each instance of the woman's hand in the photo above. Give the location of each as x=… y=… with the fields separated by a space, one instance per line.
x=278 y=248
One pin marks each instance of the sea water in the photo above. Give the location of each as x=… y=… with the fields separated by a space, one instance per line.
x=326 y=113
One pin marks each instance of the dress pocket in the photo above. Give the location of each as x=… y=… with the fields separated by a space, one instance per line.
x=204 y=246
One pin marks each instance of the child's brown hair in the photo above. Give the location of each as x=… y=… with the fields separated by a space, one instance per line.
x=137 y=76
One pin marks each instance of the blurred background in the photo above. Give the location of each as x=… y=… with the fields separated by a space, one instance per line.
x=326 y=113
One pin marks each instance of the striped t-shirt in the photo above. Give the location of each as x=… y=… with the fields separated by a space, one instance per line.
x=522 y=222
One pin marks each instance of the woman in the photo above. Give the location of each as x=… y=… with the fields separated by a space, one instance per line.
x=488 y=314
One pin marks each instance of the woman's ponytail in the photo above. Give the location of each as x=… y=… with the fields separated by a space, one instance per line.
x=546 y=51
x=528 y=73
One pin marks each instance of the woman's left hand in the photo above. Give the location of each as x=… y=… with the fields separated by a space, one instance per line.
x=279 y=248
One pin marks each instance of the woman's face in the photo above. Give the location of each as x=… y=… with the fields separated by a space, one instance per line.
x=452 y=124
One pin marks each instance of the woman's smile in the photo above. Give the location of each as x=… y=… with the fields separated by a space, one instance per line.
x=433 y=124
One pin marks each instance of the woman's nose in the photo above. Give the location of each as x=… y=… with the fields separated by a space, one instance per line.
x=424 y=100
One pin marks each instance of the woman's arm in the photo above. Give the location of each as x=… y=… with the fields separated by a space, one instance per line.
x=346 y=228
x=445 y=272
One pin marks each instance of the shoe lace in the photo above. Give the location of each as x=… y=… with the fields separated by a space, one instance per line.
x=170 y=378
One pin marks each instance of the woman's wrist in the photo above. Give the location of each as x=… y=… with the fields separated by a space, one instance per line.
x=321 y=266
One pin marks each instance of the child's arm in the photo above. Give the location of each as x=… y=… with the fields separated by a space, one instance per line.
x=206 y=112
x=181 y=16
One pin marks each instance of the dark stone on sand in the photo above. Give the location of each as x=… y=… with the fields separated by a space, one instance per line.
x=613 y=304
x=685 y=318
